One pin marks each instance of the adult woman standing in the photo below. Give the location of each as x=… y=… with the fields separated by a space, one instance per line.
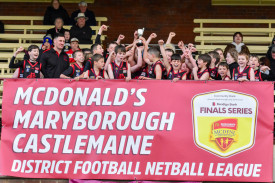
x=55 y=11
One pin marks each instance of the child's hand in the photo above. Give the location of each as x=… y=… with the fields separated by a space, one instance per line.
x=104 y=27
x=190 y=45
x=175 y=79
x=112 y=55
x=20 y=49
x=172 y=34
x=181 y=45
x=193 y=49
x=242 y=79
x=121 y=37
x=76 y=78
x=161 y=42
x=127 y=79
x=264 y=68
x=98 y=77
x=153 y=35
x=142 y=78
x=129 y=53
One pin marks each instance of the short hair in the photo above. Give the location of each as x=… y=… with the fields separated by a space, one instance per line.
x=244 y=54
x=113 y=42
x=168 y=49
x=218 y=49
x=234 y=54
x=205 y=58
x=53 y=1
x=97 y=57
x=215 y=55
x=223 y=64
x=94 y=47
x=120 y=48
x=236 y=34
x=86 y=49
x=176 y=57
x=60 y=19
x=75 y=52
x=88 y=56
x=254 y=56
x=57 y=35
x=32 y=47
x=155 y=51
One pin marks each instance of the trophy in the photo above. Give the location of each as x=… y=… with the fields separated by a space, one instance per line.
x=140 y=33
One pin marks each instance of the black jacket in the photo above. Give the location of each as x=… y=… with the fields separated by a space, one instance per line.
x=90 y=22
x=51 y=14
x=83 y=34
x=53 y=64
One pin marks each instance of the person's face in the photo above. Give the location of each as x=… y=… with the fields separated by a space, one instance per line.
x=120 y=56
x=67 y=35
x=273 y=55
x=238 y=39
x=111 y=48
x=34 y=53
x=74 y=45
x=242 y=61
x=59 y=43
x=82 y=9
x=79 y=57
x=100 y=63
x=176 y=64
x=222 y=70
x=58 y=23
x=253 y=62
x=81 y=22
x=221 y=55
x=99 y=50
x=201 y=64
x=47 y=45
x=229 y=59
x=55 y=4
x=168 y=55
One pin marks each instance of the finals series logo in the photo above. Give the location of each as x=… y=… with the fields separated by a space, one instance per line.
x=224 y=122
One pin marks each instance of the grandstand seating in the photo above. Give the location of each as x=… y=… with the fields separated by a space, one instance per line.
x=217 y=33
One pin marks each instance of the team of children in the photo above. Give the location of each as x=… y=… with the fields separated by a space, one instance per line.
x=139 y=61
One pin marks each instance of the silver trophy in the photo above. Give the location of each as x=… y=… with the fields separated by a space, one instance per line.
x=140 y=33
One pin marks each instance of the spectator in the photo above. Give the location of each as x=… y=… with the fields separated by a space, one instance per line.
x=81 y=31
x=55 y=11
x=55 y=61
x=58 y=28
x=237 y=44
x=74 y=47
x=83 y=9
x=1 y=27
x=67 y=36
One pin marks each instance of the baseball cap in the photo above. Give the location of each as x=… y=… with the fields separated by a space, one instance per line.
x=48 y=39
x=74 y=39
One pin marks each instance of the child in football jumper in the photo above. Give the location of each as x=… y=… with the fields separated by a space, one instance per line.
x=75 y=70
x=27 y=68
x=213 y=70
x=152 y=56
x=243 y=72
x=174 y=71
x=97 y=72
x=223 y=70
x=255 y=65
x=119 y=68
x=96 y=49
x=201 y=71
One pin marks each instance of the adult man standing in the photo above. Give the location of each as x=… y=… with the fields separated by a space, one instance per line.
x=55 y=60
x=81 y=31
x=83 y=9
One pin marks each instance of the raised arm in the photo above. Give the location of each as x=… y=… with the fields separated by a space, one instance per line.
x=170 y=37
x=12 y=64
x=101 y=29
x=139 y=61
x=119 y=39
x=110 y=58
x=162 y=50
x=152 y=36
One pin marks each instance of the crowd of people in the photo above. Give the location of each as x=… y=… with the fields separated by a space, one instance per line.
x=139 y=61
x=61 y=57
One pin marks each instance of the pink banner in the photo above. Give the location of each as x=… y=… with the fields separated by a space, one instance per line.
x=137 y=130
